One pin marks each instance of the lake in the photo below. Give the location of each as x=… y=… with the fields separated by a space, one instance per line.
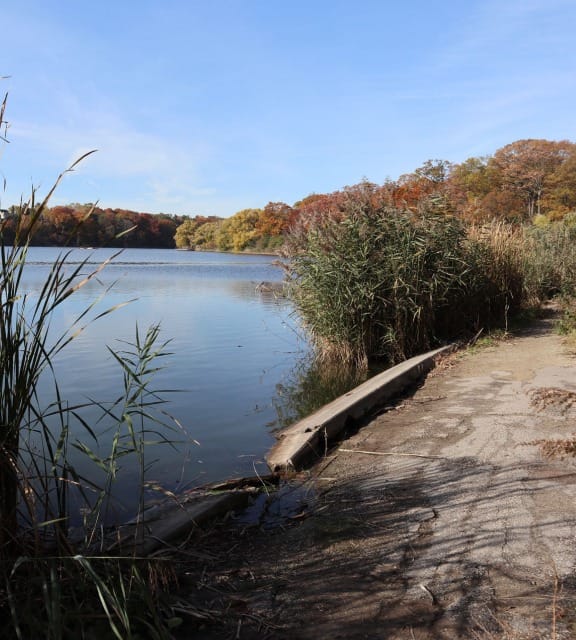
x=237 y=353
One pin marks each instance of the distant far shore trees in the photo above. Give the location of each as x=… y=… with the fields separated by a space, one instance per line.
x=528 y=181
x=84 y=225
x=256 y=230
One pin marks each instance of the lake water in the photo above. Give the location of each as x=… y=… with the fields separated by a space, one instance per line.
x=237 y=354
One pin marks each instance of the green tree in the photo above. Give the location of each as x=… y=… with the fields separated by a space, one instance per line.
x=435 y=171
x=469 y=183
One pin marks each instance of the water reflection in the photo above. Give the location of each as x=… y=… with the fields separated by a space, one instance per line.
x=239 y=362
x=311 y=385
x=234 y=338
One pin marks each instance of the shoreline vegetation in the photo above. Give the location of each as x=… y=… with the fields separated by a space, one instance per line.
x=527 y=182
x=377 y=273
x=382 y=285
x=58 y=581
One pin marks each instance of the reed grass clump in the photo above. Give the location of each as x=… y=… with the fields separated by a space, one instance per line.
x=550 y=260
x=55 y=582
x=497 y=260
x=374 y=283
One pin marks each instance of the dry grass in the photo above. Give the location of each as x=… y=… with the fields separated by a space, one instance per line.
x=561 y=448
x=551 y=398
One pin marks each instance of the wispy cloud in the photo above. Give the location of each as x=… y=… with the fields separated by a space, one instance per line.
x=168 y=170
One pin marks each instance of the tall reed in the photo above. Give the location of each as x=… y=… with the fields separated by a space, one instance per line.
x=39 y=485
x=51 y=584
x=27 y=353
x=550 y=259
x=497 y=260
x=378 y=283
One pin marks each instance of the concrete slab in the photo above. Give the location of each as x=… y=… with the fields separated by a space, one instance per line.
x=308 y=438
x=298 y=444
x=174 y=520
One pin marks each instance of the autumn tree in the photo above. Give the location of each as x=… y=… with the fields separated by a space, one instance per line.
x=184 y=236
x=468 y=184
x=63 y=222
x=424 y=190
x=316 y=209
x=188 y=234
x=87 y=225
x=273 y=219
x=318 y=204
x=238 y=231
x=206 y=236
x=525 y=165
x=560 y=197
x=500 y=204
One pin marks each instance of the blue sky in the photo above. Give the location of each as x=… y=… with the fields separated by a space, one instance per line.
x=212 y=106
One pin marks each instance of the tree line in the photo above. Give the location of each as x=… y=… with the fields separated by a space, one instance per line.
x=86 y=225
x=382 y=272
x=530 y=180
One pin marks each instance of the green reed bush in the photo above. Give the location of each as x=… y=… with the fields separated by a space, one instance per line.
x=26 y=354
x=377 y=283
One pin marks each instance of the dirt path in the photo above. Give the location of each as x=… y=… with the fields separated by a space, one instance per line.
x=471 y=535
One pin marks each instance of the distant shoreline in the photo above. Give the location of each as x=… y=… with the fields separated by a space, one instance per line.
x=237 y=253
